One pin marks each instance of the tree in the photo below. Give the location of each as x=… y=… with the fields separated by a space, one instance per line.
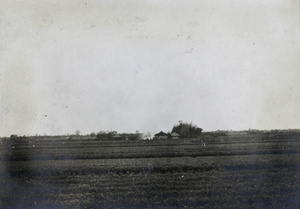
x=13 y=136
x=187 y=130
x=77 y=132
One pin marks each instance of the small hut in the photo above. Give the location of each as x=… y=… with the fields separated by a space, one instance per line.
x=161 y=135
x=117 y=137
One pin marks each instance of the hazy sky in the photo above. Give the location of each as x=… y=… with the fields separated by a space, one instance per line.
x=143 y=65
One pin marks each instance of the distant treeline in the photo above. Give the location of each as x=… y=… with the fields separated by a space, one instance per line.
x=185 y=130
x=103 y=136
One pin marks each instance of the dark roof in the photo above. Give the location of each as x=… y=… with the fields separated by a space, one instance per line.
x=161 y=134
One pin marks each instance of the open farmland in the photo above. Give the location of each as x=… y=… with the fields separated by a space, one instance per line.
x=236 y=171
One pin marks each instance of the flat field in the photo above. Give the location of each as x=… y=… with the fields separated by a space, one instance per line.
x=236 y=171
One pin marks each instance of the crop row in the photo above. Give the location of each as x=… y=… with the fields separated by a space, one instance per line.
x=277 y=188
x=52 y=153
x=236 y=162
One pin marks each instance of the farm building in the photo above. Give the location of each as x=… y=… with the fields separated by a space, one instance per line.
x=175 y=135
x=161 y=135
x=117 y=137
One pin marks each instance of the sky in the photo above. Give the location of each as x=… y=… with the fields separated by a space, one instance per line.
x=127 y=65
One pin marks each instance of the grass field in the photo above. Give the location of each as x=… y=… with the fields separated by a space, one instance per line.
x=238 y=171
